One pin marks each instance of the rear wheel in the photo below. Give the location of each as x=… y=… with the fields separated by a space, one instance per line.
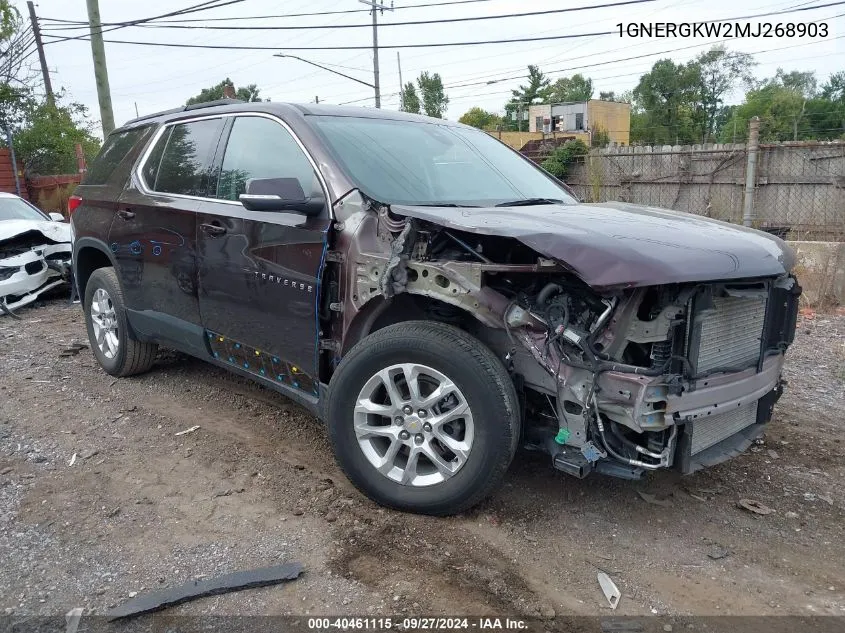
x=423 y=417
x=105 y=317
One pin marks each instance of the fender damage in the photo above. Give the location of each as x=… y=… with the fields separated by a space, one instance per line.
x=634 y=346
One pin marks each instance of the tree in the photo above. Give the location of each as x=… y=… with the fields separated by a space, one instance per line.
x=535 y=91
x=434 y=100
x=46 y=142
x=667 y=98
x=610 y=95
x=564 y=155
x=719 y=71
x=480 y=118
x=249 y=93
x=410 y=99
x=9 y=16
x=575 y=88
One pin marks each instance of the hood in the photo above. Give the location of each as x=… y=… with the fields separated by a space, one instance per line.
x=52 y=231
x=616 y=243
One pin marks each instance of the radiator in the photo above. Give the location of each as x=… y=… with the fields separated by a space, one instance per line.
x=730 y=333
x=710 y=430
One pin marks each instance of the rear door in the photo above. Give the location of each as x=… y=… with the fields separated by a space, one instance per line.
x=259 y=271
x=153 y=236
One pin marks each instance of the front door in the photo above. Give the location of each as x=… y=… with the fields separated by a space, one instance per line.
x=259 y=270
x=153 y=235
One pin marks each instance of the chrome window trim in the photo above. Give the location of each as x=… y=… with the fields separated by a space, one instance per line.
x=142 y=185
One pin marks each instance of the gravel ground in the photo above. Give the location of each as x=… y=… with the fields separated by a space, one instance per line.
x=142 y=508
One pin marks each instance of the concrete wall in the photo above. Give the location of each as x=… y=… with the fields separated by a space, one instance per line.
x=820 y=268
x=516 y=139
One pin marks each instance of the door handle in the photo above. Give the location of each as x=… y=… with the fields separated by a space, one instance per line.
x=126 y=214
x=213 y=230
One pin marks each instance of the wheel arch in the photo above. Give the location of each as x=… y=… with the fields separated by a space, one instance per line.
x=89 y=254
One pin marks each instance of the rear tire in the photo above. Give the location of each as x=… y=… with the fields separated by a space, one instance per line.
x=105 y=317
x=409 y=448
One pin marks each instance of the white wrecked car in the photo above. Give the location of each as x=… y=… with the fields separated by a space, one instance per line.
x=35 y=251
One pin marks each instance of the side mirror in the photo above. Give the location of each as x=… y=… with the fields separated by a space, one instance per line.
x=57 y=217
x=279 y=194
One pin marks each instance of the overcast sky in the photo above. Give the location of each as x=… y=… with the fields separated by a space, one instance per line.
x=159 y=78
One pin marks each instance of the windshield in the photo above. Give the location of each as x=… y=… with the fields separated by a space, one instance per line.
x=17 y=209
x=417 y=163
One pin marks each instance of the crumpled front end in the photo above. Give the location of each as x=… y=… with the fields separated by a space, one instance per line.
x=31 y=263
x=614 y=379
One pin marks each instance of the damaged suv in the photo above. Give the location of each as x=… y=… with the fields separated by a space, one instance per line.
x=436 y=298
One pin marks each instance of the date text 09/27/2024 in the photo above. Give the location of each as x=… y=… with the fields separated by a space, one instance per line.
x=416 y=624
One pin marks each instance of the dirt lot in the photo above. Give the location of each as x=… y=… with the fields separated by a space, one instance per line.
x=143 y=508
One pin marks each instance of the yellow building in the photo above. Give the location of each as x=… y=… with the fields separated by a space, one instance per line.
x=583 y=119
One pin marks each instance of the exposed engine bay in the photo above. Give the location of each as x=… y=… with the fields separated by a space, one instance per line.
x=617 y=379
x=34 y=258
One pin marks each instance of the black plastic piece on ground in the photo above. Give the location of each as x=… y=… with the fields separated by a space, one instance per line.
x=236 y=581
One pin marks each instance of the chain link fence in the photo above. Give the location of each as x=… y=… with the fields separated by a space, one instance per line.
x=799 y=190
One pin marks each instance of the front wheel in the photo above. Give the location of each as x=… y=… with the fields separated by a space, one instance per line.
x=423 y=417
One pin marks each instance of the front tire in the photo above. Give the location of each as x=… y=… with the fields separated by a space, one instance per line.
x=105 y=317
x=423 y=418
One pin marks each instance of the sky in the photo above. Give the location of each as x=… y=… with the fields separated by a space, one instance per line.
x=154 y=78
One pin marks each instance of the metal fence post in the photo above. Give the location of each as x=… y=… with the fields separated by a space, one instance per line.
x=751 y=170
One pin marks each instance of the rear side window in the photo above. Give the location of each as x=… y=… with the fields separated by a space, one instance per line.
x=181 y=159
x=114 y=150
x=262 y=148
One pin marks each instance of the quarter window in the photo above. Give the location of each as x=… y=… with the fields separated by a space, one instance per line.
x=181 y=160
x=262 y=148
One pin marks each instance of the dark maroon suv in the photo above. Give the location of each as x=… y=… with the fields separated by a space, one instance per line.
x=436 y=298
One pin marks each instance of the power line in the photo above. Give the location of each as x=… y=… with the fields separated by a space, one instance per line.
x=438 y=44
x=410 y=23
x=283 y=15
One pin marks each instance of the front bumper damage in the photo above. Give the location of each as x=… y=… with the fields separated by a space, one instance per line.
x=617 y=379
x=27 y=275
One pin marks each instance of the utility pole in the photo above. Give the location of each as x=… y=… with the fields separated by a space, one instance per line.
x=751 y=171
x=101 y=71
x=376 y=7
x=401 y=85
x=36 y=31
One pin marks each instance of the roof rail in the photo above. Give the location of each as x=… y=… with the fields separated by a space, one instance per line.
x=193 y=106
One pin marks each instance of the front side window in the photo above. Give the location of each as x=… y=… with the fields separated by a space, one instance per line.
x=261 y=148
x=181 y=160
x=416 y=163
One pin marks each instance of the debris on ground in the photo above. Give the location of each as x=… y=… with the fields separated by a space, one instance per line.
x=718 y=552
x=157 y=600
x=72 y=460
x=654 y=499
x=73 y=349
x=754 y=506
x=611 y=591
x=72 y=618
x=190 y=430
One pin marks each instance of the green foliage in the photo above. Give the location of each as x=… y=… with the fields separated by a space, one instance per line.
x=575 y=88
x=609 y=95
x=535 y=91
x=249 y=93
x=9 y=16
x=599 y=137
x=667 y=98
x=46 y=142
x=480 y=118
x=719 y=72
x=410 y=99
x=434 y=99
x=791 y=108
x=558 y=163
